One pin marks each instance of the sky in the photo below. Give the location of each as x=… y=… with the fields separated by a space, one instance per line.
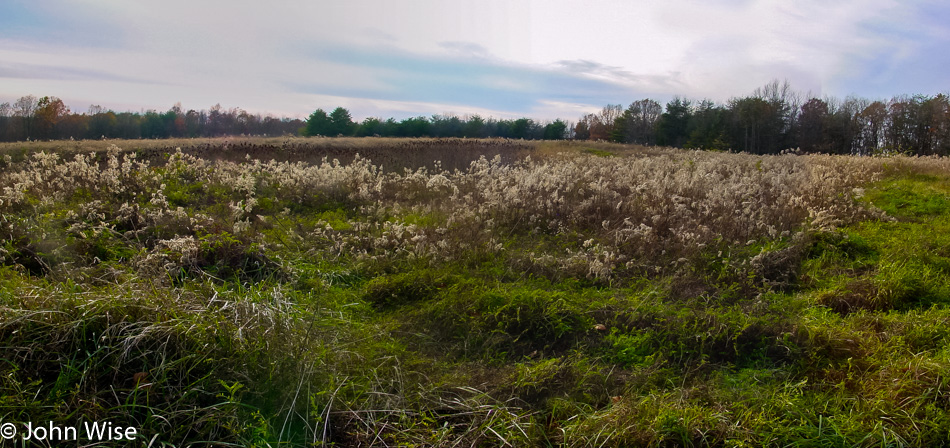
x=541 y=59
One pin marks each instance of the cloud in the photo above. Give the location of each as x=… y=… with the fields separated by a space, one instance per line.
x=487 y=84
x=465 y=49
x=817 y=45
x=60 y=73
x=52 y=22
x=665 y=84
x=507 y=58
x=909 y=54
x=583 y=66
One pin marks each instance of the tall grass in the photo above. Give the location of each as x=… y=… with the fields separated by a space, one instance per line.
x=354 y=292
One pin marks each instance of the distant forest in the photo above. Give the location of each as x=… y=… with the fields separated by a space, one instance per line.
x=772 y=119
x=48 y=118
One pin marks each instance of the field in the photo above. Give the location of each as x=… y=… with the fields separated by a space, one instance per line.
x=459 y=292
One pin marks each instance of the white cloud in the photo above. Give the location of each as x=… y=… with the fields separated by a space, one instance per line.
x=563 y=110
x=493 y=57
x=808 y=42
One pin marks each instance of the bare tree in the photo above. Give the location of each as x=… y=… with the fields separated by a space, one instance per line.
x=6 y=122
x=873 y=119
x=608 y=118
x=24 y=109
x=640 y=120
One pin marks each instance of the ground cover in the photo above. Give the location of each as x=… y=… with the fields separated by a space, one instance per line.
x=261 y=293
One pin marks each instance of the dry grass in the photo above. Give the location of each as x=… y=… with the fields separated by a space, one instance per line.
x=512 y=293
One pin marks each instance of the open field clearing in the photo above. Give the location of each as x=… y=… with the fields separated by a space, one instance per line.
x=458 y=292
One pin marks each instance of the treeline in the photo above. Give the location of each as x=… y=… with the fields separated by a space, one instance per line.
x=48 y=118
x=775 y=118
x=772 y=119
x=339 y=122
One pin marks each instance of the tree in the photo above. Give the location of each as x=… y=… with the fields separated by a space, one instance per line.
x=776 y=130
x=555 y=130
x=242 y=121
x=216 y=124
x=102 y=122
x=582 y=129
x=447 y=126
x=591 y=126
x=841 y=125
x=152 y=125
x=608 y=121
x=940 y=126
x=753 y=125
x=763 y=122
x=639 y=122
x=600 y=126
x=369 y=127
x=902 y=117
x=6 y=111
x=873 y=119
x=128 y=125
x=933 y=126
x=521 y=128
x=707 y=127
x=811 y=126
x=75 y=126
x=673 y=127
x=341 y=123
x=318 y=124
x=195 y=123
x=474 y=127
x=414 y=127
x=49 y=112
x=24 y=112
x=174 y=121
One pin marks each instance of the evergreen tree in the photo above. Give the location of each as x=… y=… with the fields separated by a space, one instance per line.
x=341 y=123
x=673 y=127
x=318 y=124
x=555 y=130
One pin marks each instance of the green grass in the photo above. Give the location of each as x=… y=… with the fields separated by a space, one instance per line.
x=598 y=152
x=913 y=196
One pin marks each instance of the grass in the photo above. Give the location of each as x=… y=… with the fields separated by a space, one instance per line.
x=521 y=294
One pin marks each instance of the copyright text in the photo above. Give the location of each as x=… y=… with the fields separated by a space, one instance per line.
x=52 y=432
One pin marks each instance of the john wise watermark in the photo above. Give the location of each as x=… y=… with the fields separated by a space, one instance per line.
x=52 y=432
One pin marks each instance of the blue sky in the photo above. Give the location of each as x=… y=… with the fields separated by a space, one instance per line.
x=542 y=59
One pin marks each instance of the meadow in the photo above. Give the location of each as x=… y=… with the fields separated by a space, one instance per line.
x=462 y=292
